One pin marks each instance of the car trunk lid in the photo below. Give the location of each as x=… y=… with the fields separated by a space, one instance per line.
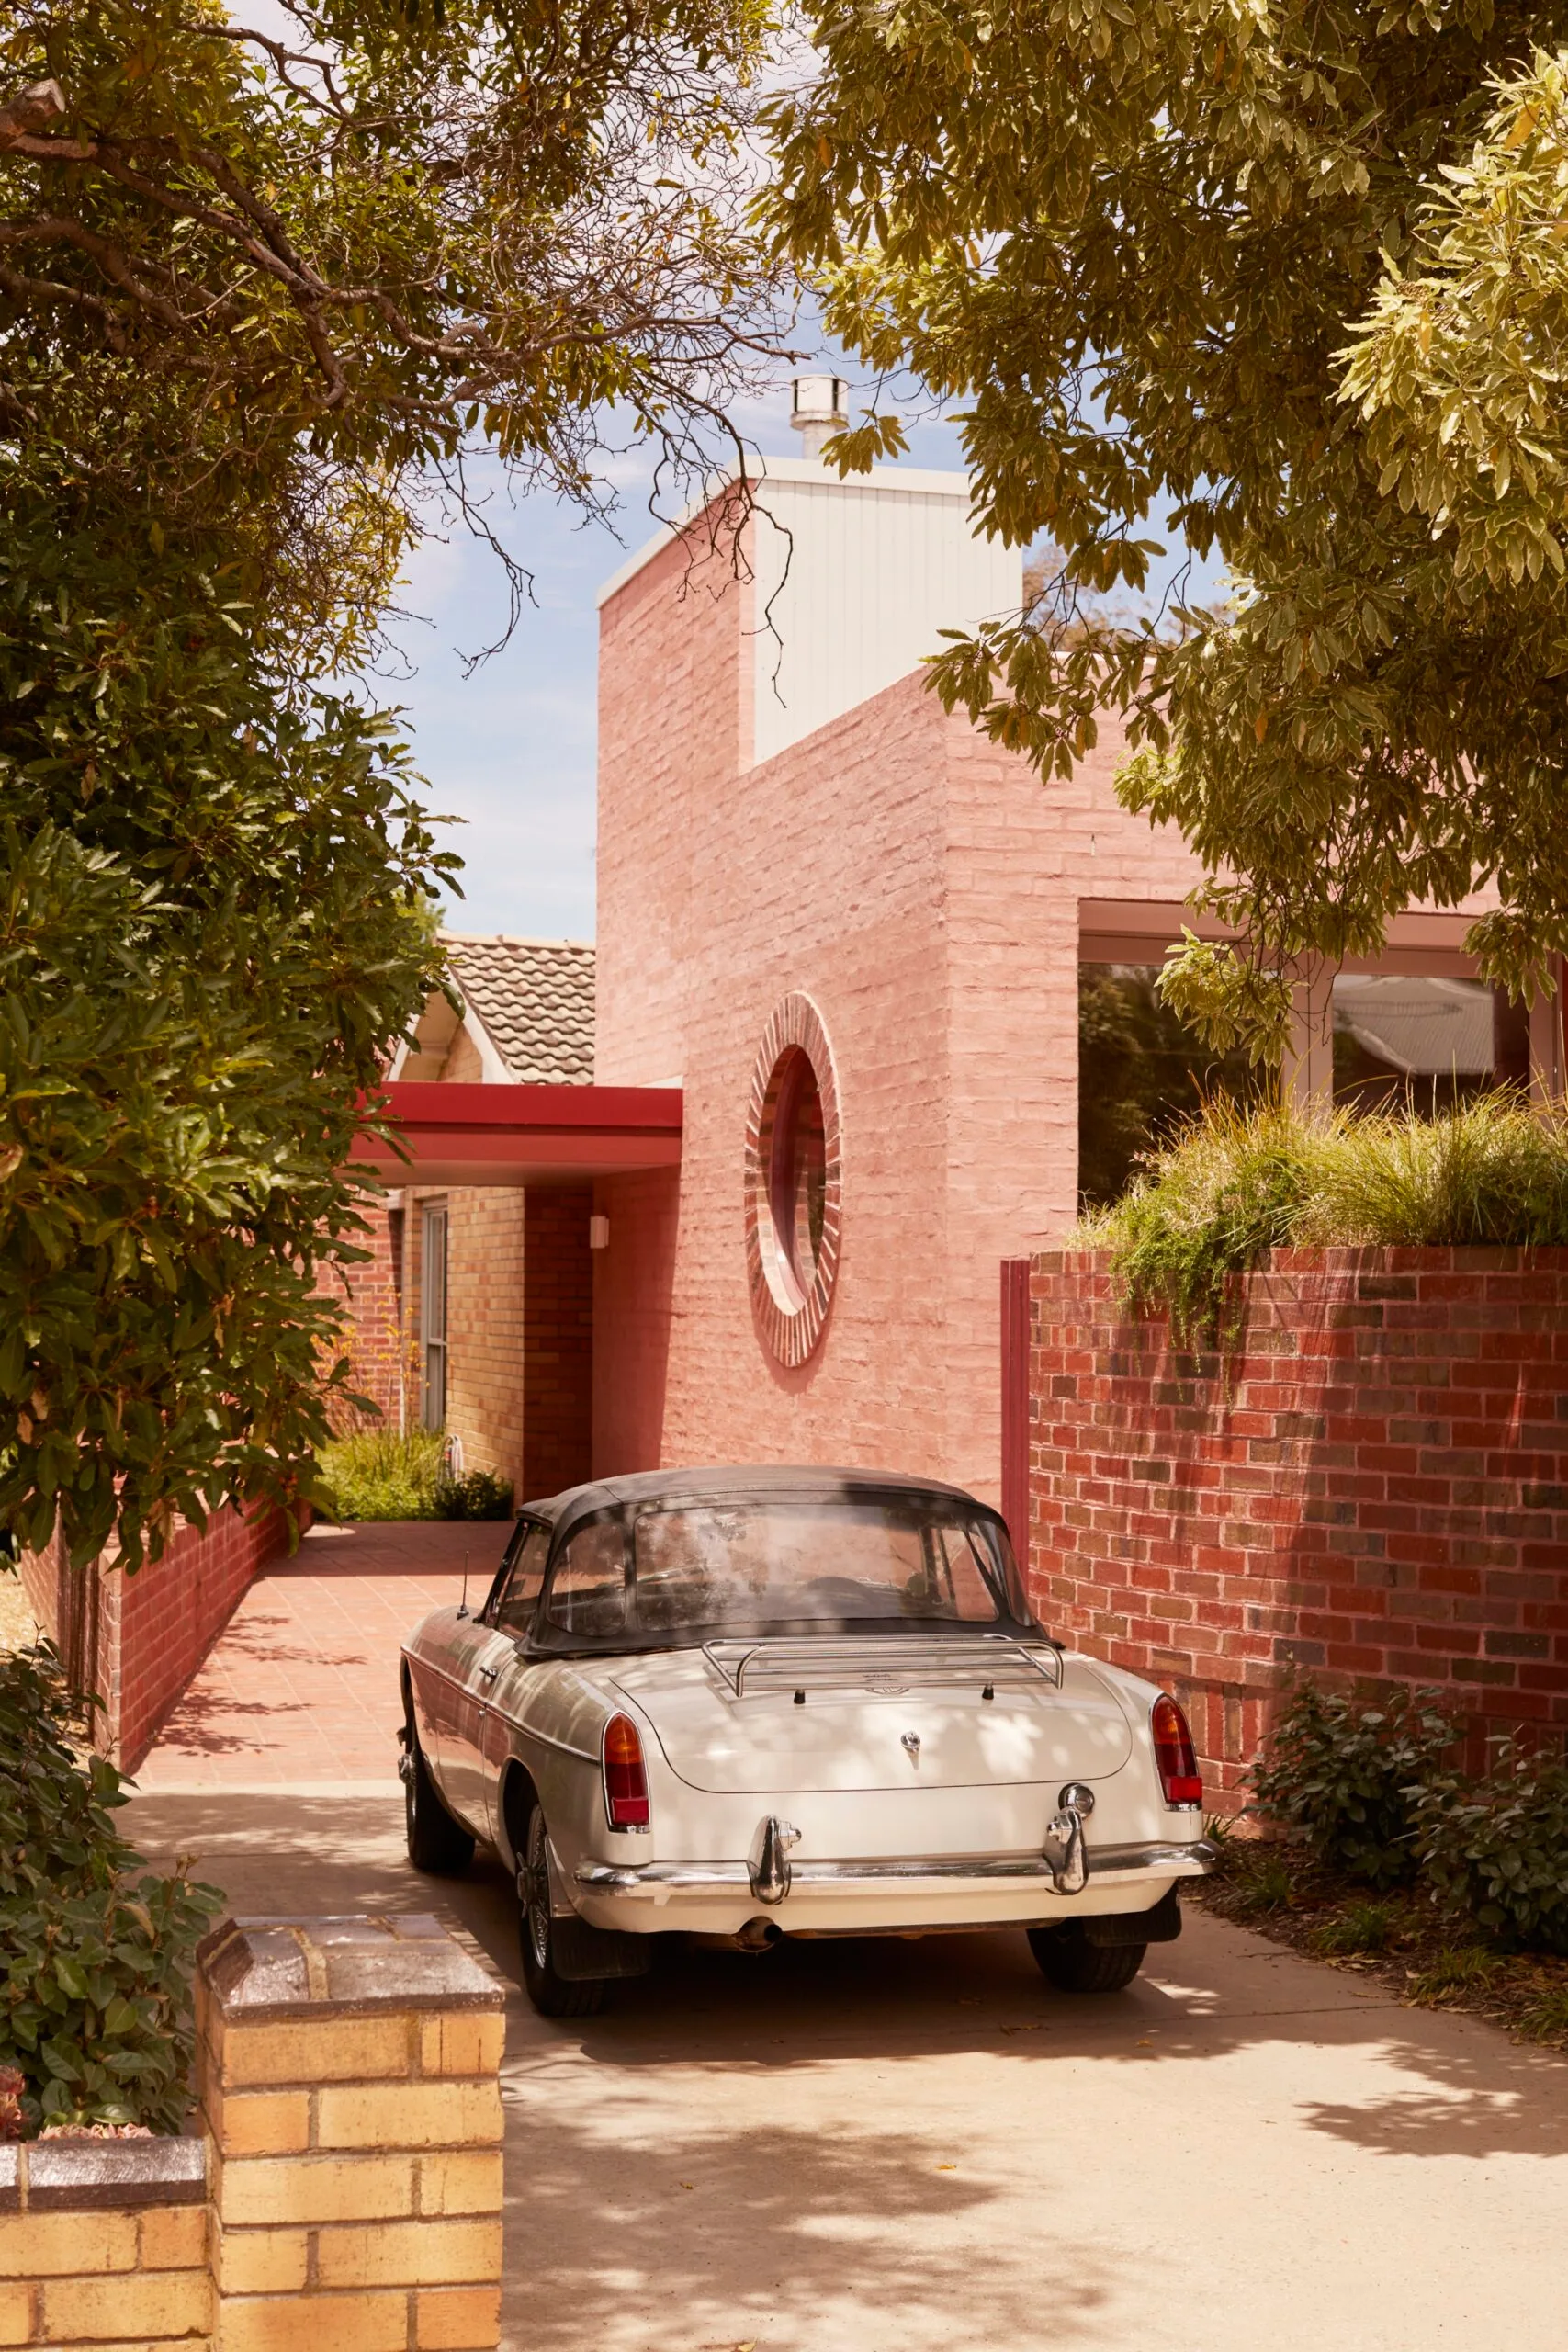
x=875 y=1714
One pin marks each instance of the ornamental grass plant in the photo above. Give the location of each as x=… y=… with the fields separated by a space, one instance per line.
x=382 y=1473
x=1239 y=1180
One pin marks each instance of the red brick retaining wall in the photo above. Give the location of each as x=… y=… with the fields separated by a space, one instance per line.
x=1372 y=1487
x=137 y=1640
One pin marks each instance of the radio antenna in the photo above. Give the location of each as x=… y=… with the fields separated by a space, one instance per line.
x=463 y=1604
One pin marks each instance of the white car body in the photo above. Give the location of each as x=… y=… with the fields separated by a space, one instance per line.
x=851 y=1781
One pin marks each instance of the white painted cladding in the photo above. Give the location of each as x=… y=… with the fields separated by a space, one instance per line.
x=854 y=581
x=858 y=579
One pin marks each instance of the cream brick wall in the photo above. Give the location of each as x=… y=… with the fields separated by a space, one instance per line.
x=348 y=2186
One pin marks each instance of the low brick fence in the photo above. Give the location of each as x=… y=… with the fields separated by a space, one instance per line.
x=345 y=2190
x=137 y=1640
x=105 y=2242
x=1372 y=1486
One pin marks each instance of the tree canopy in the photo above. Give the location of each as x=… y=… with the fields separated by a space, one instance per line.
x=1288 y=279
x=256 y=295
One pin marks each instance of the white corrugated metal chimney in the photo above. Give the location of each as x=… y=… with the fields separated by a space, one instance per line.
x=820 y=408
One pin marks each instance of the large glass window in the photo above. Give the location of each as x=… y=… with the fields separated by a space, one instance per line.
x=1407 y=1040
x=1140 y=1071
x=1414 y=1041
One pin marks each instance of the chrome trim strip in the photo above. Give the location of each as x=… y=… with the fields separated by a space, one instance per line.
x=1194 y=1860
x=561 y=1746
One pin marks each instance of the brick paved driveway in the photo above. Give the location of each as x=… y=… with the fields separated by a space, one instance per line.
x=302 y=1690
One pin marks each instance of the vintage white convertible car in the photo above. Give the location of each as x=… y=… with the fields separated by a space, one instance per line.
x=747 y=1703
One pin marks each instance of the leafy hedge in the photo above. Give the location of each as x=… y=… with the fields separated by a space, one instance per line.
x=1240 y=1180
x=1370 y=1794
x=95 y=2007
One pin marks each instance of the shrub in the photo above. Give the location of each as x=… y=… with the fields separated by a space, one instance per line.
x=1343 y=1778
x=480 y=1494
x=95 y=2010
x=384 y=1474
x=1496 y=1850
x=1237 y=1181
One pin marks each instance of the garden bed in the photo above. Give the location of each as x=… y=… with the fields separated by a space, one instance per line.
x=1397 y=1941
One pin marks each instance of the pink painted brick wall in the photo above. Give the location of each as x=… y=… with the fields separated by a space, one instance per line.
x=1372 y=1487
x=922 y=888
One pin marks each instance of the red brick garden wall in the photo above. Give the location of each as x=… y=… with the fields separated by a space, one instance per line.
x=137 y=1640
x=1372 y=1487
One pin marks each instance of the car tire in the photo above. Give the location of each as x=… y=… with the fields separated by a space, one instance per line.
x=437 y=1843
x=1072 y=1965
x=553 y=1995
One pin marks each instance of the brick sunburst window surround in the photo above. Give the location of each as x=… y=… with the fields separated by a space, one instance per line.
x=794 y=1179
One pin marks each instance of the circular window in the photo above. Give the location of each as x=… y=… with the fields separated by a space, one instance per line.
x=792 y=1181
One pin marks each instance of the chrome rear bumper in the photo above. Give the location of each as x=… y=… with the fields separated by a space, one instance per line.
x=1109 y=1865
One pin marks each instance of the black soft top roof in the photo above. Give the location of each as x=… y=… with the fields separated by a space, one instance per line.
x=745 y=1481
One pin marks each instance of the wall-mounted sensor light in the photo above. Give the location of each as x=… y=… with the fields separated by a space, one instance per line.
x=598 y=1233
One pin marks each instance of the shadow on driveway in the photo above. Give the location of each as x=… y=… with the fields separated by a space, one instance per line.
x=888 y=2146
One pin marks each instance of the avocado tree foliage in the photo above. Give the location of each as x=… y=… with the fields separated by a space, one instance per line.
x=1290 y=278
x=258 y=291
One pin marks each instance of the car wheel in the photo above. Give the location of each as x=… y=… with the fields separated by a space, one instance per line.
x=437 y=1842
x=553 y=1995
x=1073 y=1965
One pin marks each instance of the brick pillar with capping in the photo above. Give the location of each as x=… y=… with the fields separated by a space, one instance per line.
x=348 y=2075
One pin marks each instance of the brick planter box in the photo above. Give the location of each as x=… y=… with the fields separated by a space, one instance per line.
x=346 y=2188
x=1372 y=1486
x=105 y=2242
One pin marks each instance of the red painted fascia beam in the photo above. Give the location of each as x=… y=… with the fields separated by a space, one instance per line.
x=496 y=1135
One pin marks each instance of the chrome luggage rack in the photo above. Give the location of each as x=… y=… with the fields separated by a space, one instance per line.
x=886 y=1663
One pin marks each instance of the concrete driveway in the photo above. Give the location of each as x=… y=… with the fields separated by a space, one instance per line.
x=918 y=2147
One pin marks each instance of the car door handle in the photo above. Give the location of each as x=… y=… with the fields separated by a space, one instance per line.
x=489 y=1673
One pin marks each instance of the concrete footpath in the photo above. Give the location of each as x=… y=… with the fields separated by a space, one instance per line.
x=918 y=2147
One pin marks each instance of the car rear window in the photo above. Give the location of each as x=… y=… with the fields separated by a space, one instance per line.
x=756 y=1566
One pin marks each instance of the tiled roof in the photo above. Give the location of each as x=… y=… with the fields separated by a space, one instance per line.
x=535 y=998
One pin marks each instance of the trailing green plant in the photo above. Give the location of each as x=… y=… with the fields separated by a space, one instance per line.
x=1228 y=1188
x=384 y=1473
x=1239 y=1180
x=480 y=1494
x=1344 y=1779
x=96 y=1955
x=1495 y=1850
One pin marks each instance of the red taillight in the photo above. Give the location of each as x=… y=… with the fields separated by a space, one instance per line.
x=1173 y=1753
x=626 y=1778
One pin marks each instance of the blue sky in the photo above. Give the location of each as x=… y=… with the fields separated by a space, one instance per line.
x=509 y=751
